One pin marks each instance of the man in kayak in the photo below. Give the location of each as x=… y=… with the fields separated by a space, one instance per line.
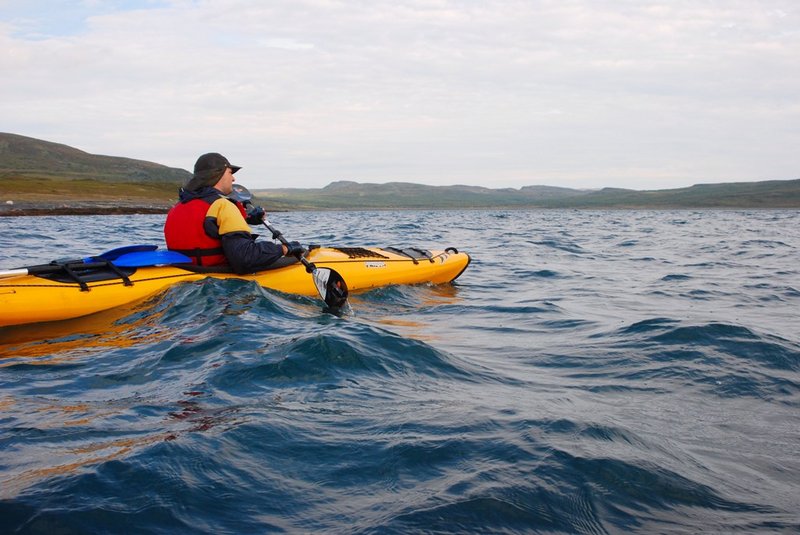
x=212 y=229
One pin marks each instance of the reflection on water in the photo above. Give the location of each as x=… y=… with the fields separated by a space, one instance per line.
x=60 y=455
x=59 y=342
x=420 y=299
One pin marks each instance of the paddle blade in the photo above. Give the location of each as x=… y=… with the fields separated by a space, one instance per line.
x=331 y=287
x=151 y=258
x=113 y=254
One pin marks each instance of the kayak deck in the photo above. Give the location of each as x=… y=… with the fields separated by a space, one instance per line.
x=63 y=295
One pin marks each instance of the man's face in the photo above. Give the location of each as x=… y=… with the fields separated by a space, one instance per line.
x=225 y=183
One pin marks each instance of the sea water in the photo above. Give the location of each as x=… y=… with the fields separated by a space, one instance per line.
x=591 y=372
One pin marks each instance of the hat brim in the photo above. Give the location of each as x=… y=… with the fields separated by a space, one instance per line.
x=234 y=168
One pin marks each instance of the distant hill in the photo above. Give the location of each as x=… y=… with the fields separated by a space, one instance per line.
x=38 y=175
x=42 y=177
x=765 y=194
x=347 y=195
x=22 y=156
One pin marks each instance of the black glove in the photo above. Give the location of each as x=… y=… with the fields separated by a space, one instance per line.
x=255 y=214
x=295 y=249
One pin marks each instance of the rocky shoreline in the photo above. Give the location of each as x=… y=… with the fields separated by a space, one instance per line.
x=30 y=208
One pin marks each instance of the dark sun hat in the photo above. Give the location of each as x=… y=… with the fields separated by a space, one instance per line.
x=208 y=169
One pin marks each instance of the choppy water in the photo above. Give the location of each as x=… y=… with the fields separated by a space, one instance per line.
x=591 y=372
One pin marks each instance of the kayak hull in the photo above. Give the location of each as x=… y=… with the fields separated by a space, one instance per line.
x=31 y=299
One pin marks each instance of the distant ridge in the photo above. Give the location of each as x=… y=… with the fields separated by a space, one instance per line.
x=22 y=156
x=349 y=195
x=43 y=177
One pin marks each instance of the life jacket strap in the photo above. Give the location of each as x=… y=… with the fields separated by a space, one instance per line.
x=198 y=253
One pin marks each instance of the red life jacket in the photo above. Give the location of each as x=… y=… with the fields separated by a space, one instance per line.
x=187 y=231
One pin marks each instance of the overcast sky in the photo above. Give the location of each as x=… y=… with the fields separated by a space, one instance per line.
x=577 y=93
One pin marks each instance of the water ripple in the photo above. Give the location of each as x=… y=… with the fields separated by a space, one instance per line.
x=592 y=372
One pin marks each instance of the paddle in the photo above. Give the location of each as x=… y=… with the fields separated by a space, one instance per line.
x=151 y=258
x=126 y=257
x=330 y=285
x=113 y=254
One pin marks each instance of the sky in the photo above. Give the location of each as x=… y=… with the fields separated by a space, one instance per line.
x=640 y=94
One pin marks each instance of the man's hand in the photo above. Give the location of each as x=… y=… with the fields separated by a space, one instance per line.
x=295 y=249
x=255 y=214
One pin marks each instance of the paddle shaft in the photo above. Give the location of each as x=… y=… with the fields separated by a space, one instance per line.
x=123 y=257
x=14 y=273
x=276 y=234
x=45 y=269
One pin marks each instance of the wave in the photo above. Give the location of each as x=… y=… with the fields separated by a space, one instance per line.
x=592 y=372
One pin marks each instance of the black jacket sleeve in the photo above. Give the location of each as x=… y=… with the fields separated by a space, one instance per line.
x=246 y=255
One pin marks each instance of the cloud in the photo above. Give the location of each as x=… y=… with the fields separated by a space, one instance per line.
x=578 y=93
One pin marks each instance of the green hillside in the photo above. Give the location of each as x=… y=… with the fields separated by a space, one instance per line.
x=39 y=176
x=351 y=195
x=766 y=194
x=36 y=170
x=29 y=157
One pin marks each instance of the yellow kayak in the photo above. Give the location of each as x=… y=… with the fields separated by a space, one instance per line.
x=73 y=292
